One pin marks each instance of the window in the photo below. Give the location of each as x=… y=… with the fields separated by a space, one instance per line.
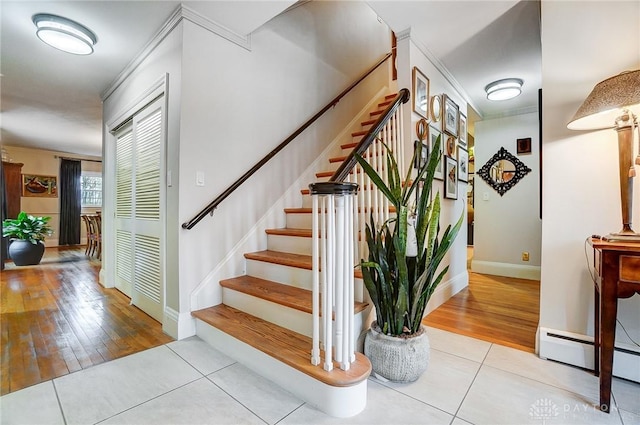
x=91 y=185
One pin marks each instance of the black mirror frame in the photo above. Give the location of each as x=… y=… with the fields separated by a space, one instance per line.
x=521 y=171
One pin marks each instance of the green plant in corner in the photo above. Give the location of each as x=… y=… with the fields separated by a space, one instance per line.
x=400 y=283
x=26 y=227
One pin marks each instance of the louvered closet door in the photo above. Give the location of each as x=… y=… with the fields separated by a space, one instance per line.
x=139 y=210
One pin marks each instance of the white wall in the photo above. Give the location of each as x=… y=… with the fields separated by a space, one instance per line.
x=238 y=104
x=410 y=55
x=505 y=226
x=582 y=44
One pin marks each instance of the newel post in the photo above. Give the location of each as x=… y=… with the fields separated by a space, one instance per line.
x=333 y=253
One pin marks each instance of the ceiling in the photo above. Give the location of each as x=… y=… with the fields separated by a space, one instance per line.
x=51 y=99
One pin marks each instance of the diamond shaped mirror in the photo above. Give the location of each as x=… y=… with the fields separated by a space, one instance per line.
x=503 y=171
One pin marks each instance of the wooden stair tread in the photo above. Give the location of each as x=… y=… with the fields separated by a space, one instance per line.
x=368 y=122
x=321 y=174
x=359 y=133
x=287 y=259
x=350 y=145
x=291 y=348
x=303 y=233
x=283 y=258
x=278 y=293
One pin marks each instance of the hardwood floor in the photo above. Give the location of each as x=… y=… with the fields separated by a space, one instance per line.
x=56 y=319
x=497 y=309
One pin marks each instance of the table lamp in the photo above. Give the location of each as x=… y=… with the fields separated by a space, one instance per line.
x=610 y=105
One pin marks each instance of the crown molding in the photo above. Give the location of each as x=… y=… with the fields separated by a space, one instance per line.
x=181 y=12
x=243 y=41
x=511 y=113
x=403 y=34
x=162 y=33
x=443 y=70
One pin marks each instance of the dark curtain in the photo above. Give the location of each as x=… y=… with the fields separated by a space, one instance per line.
x=3 y=214
x=70 y=202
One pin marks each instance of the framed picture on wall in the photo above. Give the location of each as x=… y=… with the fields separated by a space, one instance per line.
x=436 y=108
x=422 y=156
x=463 y=164
x=420 y=93
x=451 y=178
x=450 y=147
x=450 y=122
x=39 y=186
x=462 y=133
x=434 y=133
x=523 y=145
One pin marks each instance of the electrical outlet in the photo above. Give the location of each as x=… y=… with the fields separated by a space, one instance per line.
x=525 y=256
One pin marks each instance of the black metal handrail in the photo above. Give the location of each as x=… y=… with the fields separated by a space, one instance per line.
x=214 y=204
x=350 y=161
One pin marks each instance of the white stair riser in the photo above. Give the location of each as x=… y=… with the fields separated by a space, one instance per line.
x=301 y=220
x=340 y=402
x=290 y=244
x=290 y=318
x=307 y=201
x=300 y=278
x=286 y=317
x=294 y=276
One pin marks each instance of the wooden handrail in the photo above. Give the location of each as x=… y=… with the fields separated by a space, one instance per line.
x=345 y=168
x=214 y=204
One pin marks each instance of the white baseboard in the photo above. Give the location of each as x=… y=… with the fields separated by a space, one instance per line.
x=506 y=269
x=446 y=290
x=577 y=350
x=178 y=325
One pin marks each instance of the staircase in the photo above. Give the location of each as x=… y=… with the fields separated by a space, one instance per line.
x=265 y=319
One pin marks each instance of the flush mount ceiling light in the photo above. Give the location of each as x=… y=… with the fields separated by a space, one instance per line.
x=504 y=89
x=64 y=34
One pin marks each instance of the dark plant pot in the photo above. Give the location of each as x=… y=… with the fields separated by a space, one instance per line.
x=24 y=253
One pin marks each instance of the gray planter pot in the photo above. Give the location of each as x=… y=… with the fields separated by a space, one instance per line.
x=397 y=359
x=24 y=253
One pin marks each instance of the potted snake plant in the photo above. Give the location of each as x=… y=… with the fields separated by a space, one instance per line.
x=26 y=234
x=401 y=270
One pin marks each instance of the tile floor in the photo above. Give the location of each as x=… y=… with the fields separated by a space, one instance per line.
x=188 y=382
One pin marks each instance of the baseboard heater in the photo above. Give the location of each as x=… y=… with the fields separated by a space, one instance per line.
x=577 y=350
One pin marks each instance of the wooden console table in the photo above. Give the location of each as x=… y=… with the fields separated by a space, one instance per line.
x=618 y=267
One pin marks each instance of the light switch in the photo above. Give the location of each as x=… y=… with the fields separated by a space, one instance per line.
x=485 y=196
x=199 y=178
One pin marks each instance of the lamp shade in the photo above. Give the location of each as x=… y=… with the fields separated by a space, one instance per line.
x=608 y=97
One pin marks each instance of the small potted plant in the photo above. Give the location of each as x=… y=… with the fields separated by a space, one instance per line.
x=26 y=234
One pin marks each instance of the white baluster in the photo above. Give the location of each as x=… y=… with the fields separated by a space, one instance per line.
x=315 y=297
x=339 y=280
x=328 y=297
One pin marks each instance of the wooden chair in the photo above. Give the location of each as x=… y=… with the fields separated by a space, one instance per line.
x=90 y=240
x=96 y=224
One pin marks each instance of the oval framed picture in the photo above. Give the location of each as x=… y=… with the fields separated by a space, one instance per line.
x=436 y=108
x=422 y=129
